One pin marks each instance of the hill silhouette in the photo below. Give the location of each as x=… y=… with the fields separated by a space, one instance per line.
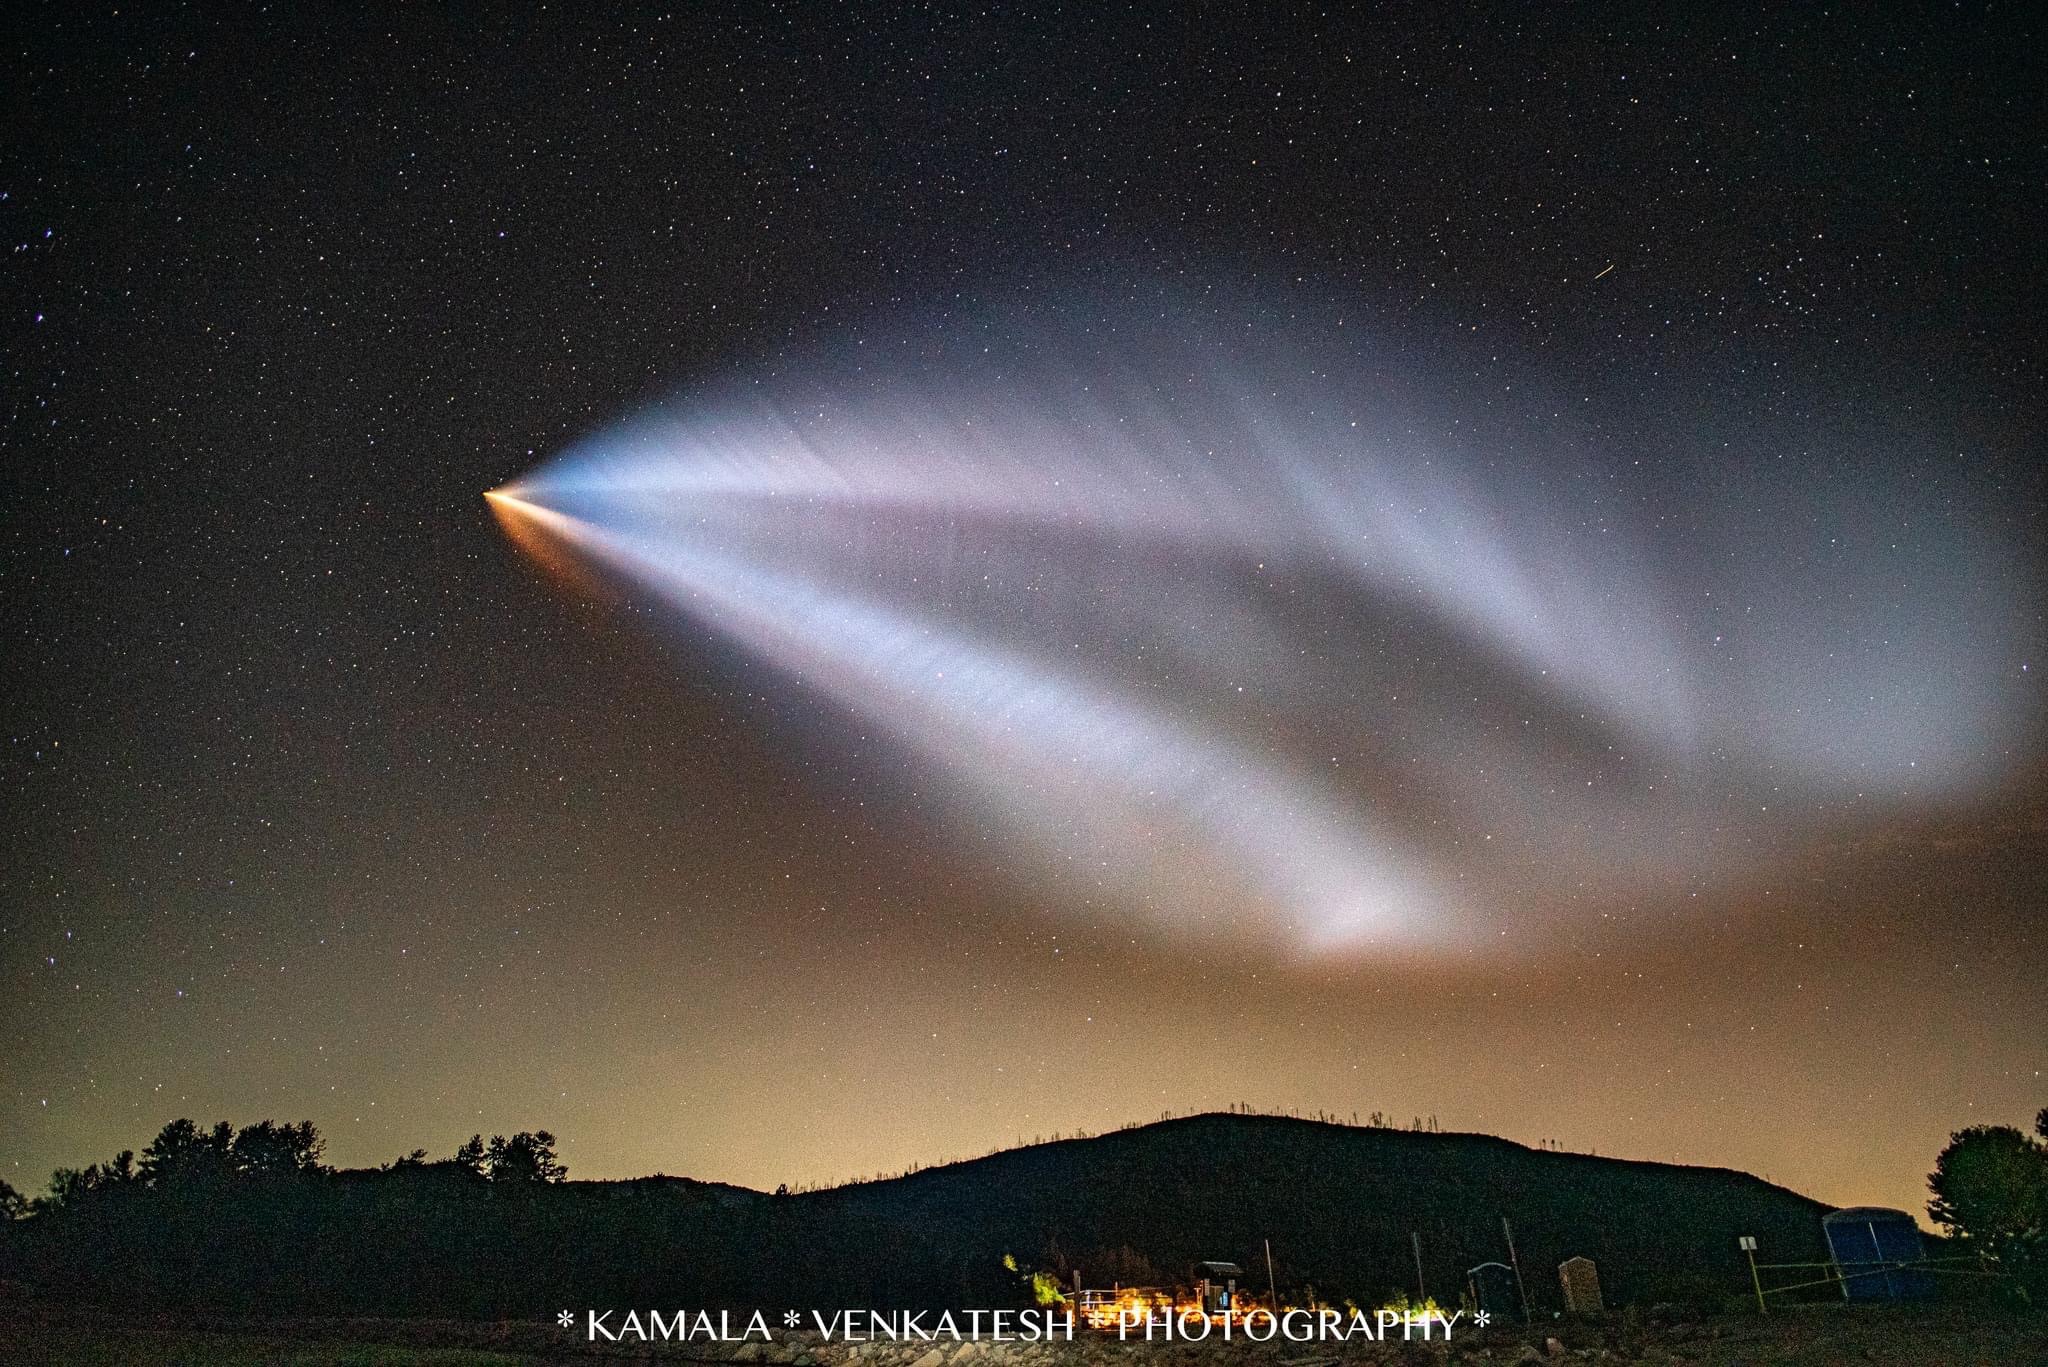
x=1339 y=1204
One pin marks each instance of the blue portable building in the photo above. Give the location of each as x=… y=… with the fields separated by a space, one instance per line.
x=1868 y=1243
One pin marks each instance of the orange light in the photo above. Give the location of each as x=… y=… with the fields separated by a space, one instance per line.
x=546 y=536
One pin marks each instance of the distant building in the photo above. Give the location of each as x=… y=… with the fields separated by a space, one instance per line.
x=1216 y=1287
x=1870 y=1245
x=1581 y=1282
x=1493 y=1290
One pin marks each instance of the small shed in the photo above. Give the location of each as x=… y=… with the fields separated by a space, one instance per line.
x=1493 y=1290
x=1216 y=1287
x=1877 y=1250
x=1581 y=1282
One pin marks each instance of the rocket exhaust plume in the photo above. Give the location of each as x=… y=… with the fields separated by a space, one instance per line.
x=1259 y=635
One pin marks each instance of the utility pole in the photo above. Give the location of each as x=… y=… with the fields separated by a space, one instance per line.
x=1516 y=1263
x=1747 y=1243
x=1271 y=1291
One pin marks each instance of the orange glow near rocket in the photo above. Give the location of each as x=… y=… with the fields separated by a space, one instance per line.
x=545 y=536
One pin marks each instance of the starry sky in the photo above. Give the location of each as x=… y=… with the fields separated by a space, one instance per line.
x=1045 y=569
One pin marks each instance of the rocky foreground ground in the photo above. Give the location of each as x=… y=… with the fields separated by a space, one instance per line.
x=1806 y=1336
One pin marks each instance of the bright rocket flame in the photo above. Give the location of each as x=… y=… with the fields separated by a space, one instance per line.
x=541 y=535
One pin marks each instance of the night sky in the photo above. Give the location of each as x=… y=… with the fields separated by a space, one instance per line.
x=1046 y=569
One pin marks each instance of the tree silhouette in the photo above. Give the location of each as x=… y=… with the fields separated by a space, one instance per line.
x=528 y=1156
x=69 y=1187
x=471 y=1154
x=1990 y=1186
x=182 y=1152
x=13 y=1205
x=266 y=1149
